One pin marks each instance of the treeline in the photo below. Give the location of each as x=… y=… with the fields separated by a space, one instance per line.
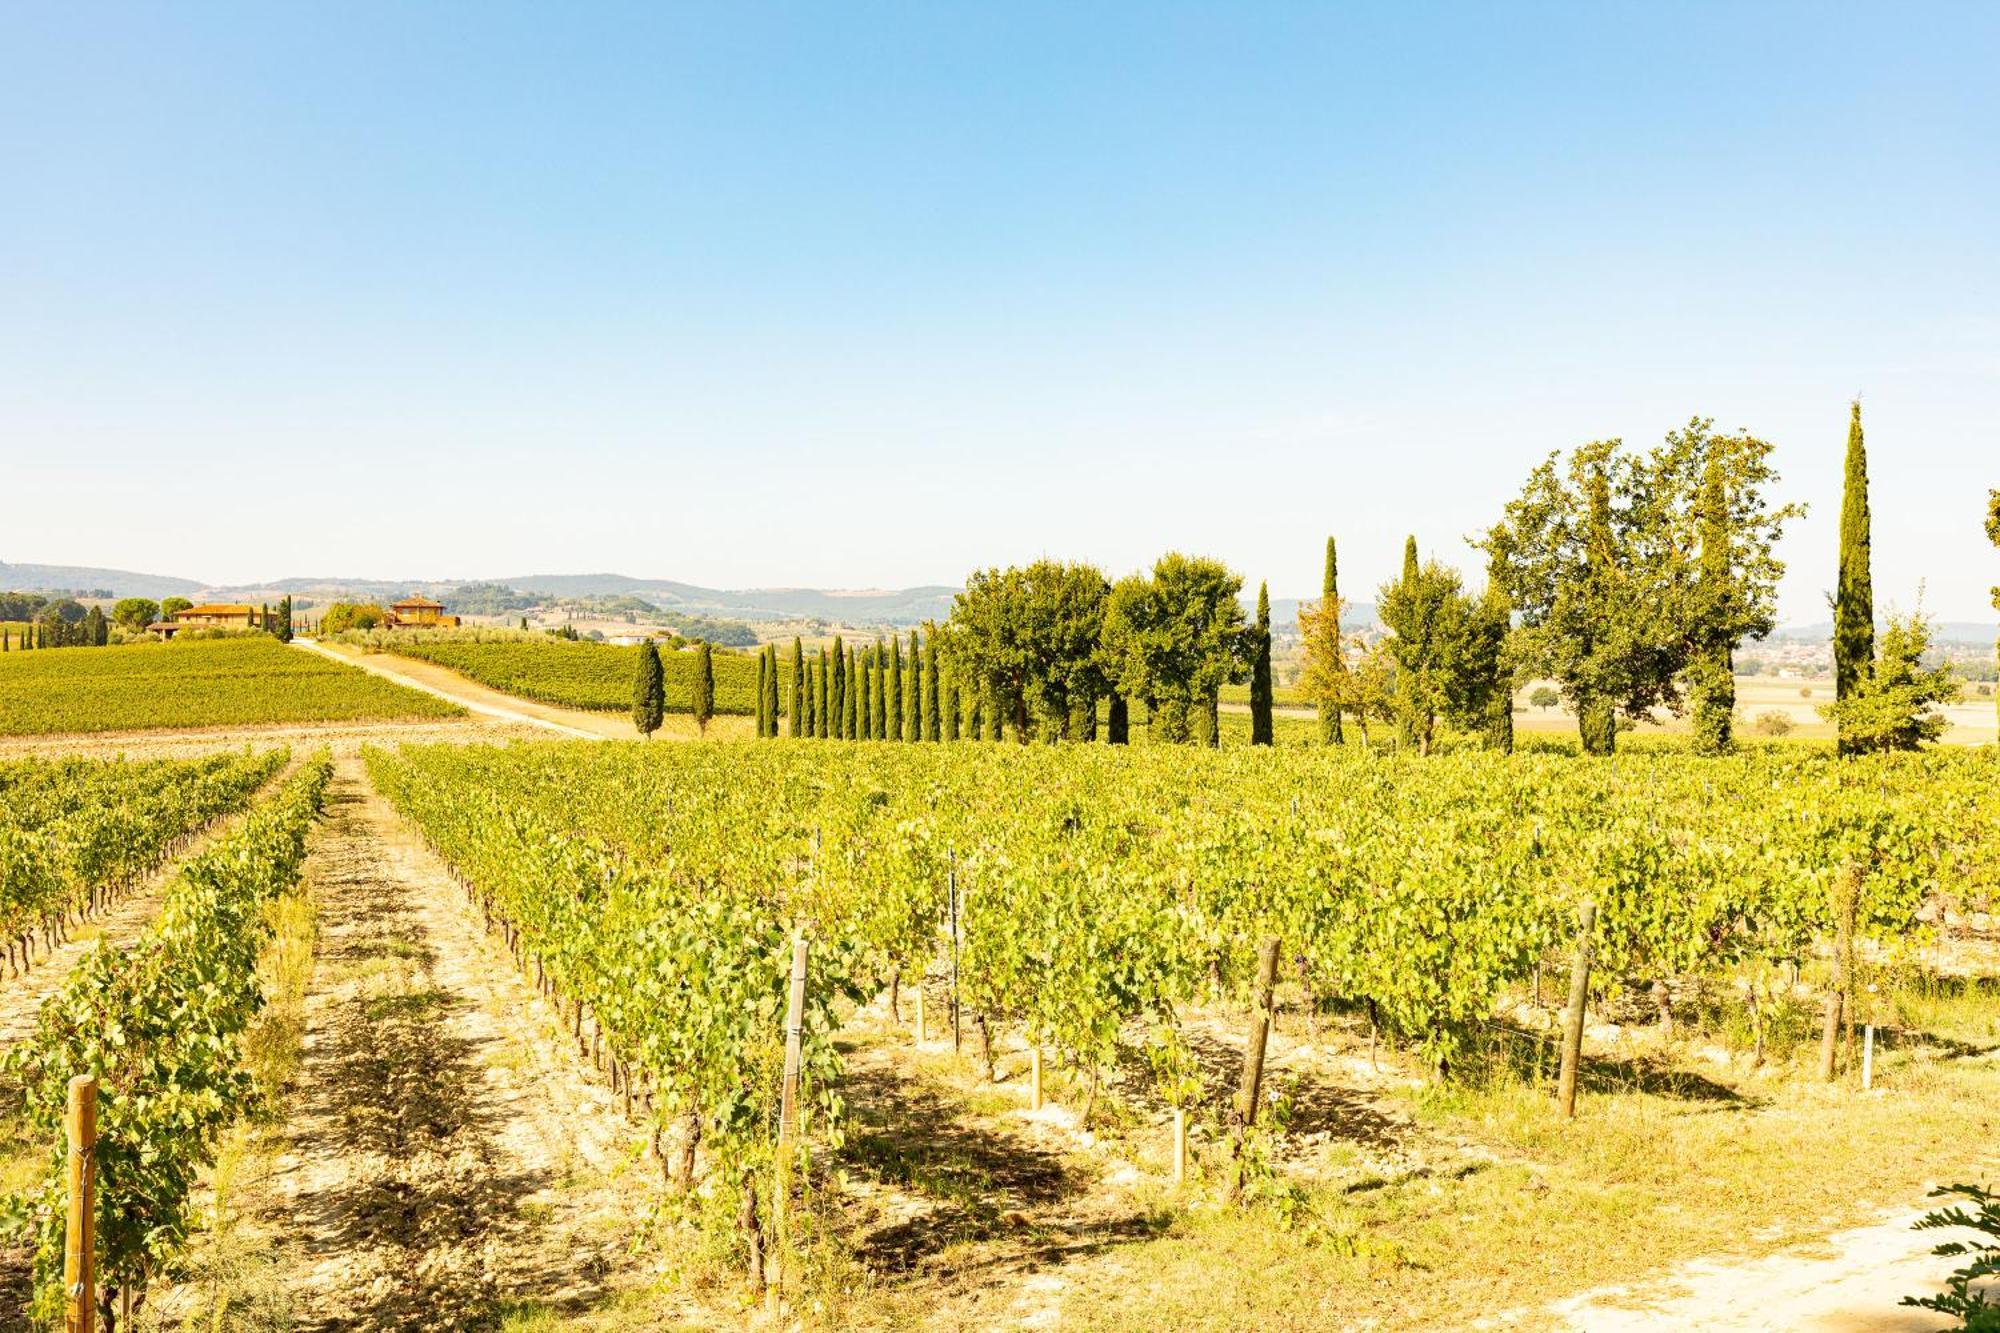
x=1628 y=577
x=65 y=623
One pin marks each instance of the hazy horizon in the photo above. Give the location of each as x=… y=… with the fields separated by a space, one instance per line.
x=772 y=296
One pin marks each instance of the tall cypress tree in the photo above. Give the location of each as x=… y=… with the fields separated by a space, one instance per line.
x=948 y=717
x=853 y=694
x=933 y=706
x=775 y=704
x=704 y=686
x=798 y=718
x=1260 y=669
x=1854 y=600
x=1329 y=592
x=649 y=691
x=763 y=692
x=913 y=692
x=1408 y=724
x=878 y=701
x=893 y=703
x=818 y=695
x=836 y=688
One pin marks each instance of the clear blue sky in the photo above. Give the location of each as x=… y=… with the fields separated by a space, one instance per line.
x=858 y=295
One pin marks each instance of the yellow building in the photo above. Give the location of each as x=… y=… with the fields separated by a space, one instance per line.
x=420 y=613
x=211 y=615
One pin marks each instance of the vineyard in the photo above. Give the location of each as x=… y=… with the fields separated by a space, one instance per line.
x=575 y=674
x=245 y=681
x=1087 y=902
x=159 y=1027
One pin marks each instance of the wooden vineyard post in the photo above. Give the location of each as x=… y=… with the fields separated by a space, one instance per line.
x=1579 y=997
x=1839 y=1003
x=80 y=1236
x=788 y=1110
x=1252 y=1085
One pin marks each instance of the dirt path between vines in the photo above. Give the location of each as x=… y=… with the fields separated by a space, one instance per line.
x=120 y=924
x=440 y=1164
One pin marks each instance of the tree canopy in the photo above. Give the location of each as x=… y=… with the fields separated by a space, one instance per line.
x=1174 y=637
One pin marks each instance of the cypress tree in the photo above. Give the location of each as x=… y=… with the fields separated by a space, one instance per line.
x=763 y=692
x=853 y=696
x=798 y=720
x=1329 y=593
x=704 y=686
x=893 y=702
x=948 y=718
x=1854 y=600
x=771 y=700
x=913 y=691
x=975 y=729
x=816 y=696
x=821 y=723
x=1118 y=726
x=99 y=631
x=933 y=707
x=1407 y=724
x=1260 y=670
x=285 y=619
x=649 y=691
x=878 y=696
x=836 y=688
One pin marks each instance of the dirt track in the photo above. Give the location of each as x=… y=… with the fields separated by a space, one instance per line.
x=439 y=1162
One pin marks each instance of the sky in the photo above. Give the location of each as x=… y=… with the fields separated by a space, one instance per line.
x=865 y=295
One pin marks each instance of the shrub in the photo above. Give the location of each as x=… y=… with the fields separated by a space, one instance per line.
x=1772 y=722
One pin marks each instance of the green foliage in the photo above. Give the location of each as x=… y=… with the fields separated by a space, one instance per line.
x=649 y=690
x=932 y=703
x=173 y=606
x=133 y=613
x=284 y=627
x=1029 y=639
x=1624 y=569
x=1889 y=708
x=1544 y=697
x=1854 y=597
x=239 y=680
x=894 y=699
x=1969 y=1294
x=160 y=1025
x=1319 y=627
x=1447 y=650
x=340 y=617
x=74 y=828
x=1260 y=669
x=1174 y=637
x=701 y=701
x=913 y=692
x=798 y=709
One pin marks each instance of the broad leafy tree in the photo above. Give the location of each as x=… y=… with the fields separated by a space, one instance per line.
x=135 y=613
x=1028 y=639
x=1447 y=649
x=1173 y=638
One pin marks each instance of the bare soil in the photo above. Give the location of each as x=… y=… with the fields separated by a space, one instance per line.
x=439 y=1165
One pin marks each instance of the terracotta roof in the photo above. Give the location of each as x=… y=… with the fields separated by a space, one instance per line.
x=217 y=609
x=417 y=602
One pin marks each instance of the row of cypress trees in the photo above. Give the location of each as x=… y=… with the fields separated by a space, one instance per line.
x=93 y=631
x=891 y=690
x=649 y=689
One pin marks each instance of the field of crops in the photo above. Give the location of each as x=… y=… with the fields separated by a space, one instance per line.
x=580 y=674
x=1100 y=892
x=76 y=830
x=251 y=680
x=160 y=1026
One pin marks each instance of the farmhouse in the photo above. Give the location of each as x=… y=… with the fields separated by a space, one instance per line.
x=420 y=613
x=210 y=615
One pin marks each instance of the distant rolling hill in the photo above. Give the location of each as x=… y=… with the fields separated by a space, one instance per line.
x=118 y=582
x=905 y=606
